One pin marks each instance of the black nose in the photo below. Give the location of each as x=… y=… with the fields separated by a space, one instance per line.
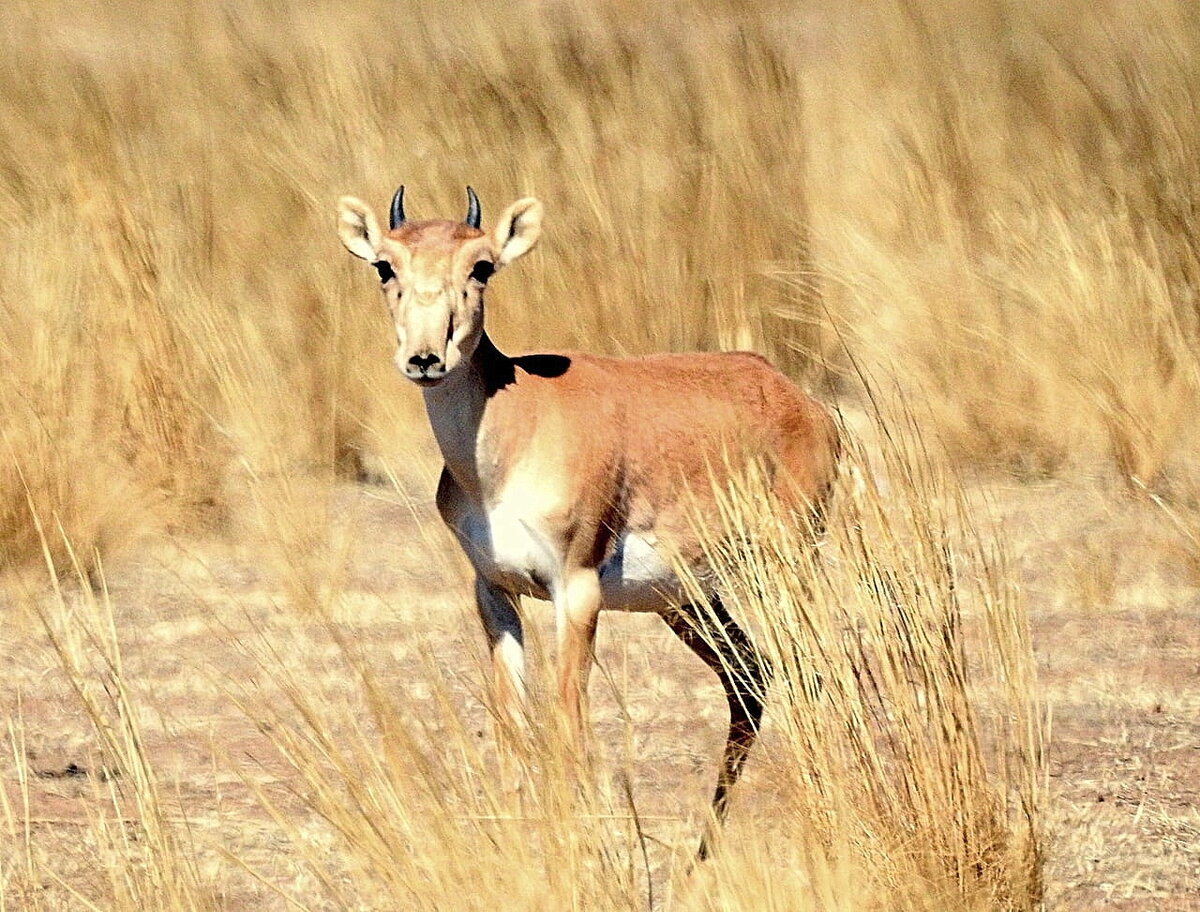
x=420 y=364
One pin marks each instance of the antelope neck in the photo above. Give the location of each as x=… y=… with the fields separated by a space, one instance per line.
x=456 y=407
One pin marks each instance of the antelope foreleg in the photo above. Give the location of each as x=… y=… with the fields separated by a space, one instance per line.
x=502 y=625
x=577 y=608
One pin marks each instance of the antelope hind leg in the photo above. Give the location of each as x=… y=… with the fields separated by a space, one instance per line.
x=715 y=637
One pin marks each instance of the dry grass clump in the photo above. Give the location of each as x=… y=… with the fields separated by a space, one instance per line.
x=904 y=694
x=101 y=436
x=131 y=849
x=1014 y=233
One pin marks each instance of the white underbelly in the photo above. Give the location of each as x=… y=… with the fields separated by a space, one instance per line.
x=638 y=576
x=508 y=547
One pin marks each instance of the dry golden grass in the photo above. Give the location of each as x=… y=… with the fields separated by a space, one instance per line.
x=988 y=207
x=909 y=779
x=905 y=687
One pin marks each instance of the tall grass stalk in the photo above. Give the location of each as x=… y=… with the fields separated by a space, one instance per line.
x=904 y=730
x=133 y=846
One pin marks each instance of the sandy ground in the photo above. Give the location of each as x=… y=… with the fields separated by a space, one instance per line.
x=1114 y=615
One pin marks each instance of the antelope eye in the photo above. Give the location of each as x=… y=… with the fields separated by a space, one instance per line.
x=384 y=268
x=482 y=271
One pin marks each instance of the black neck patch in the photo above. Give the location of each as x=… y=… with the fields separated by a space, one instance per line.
x=482 y=271
x=384 y=268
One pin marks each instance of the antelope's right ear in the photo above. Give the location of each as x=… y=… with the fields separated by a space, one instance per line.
x=358 y=228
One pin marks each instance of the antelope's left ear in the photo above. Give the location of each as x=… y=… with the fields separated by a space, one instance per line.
x=518 y=230
x=358 y=228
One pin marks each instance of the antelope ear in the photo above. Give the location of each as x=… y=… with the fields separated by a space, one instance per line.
x=518 y=230
x=358 y=228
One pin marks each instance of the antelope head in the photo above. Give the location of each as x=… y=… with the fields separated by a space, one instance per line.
x=433 y=274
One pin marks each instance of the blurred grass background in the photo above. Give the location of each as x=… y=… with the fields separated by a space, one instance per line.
x=989 y=204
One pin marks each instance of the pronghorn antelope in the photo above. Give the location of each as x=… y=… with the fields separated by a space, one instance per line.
x=565 y=473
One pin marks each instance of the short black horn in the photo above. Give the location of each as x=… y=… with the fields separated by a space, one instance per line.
x=473 y=213
x=398 y=208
